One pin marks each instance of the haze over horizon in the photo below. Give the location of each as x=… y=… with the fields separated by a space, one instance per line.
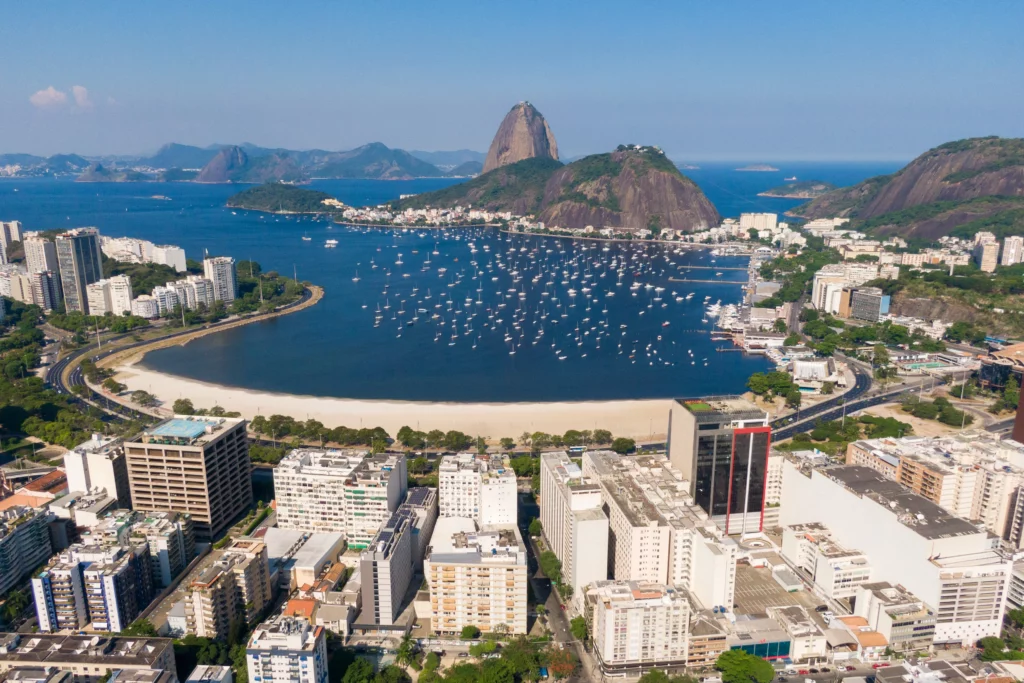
x=866 y=82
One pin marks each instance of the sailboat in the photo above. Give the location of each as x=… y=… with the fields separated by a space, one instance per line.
x=306 y=238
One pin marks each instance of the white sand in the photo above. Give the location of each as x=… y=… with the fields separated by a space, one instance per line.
x=639 y=419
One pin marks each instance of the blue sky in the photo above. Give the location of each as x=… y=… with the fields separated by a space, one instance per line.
x=705 y=80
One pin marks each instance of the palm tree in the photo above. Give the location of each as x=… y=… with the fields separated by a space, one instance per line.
x=405 y=652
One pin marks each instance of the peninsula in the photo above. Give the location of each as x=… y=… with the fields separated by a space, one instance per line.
x=757 y=168
x=805 y=189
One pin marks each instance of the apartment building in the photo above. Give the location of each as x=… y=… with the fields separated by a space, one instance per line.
x=193 y=291
x=80 y=265
x=24 y=543
x=758 y=221
x=169 y=536
x=333 y=491
x=869 y=303
x=974 y=475
x=196 y=465
x=145 y=306
x=99 y=464
x=574 y=523
x=948 y=562
x=986 y=256
x=110 y=295
x=477 y=577
x=638 y=626
x=386 y=569
x=906 y=622
x=45 y=290
x=835 y=571
x=1013 y=251
x=221 y=272
x=88 y=657
x=482 y=487
x=287 y=649
x=236 y=585
x=658 y=534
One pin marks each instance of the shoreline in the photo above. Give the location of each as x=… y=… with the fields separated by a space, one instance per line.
x=636 y=418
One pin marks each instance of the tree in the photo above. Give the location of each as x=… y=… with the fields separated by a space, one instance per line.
x=359 y=671
x=793 y=398
x=406 y=651
x=507 y=443
x=827 y=387
x=113 y=386
x=392 y=674
x=1011 y=393
x=535 y=527
x=561 y=663
x=659 y=676
x=14 y=605
x=470 y=633
x=758 y=383
x=143 y=398
x=573 y=437
x=780 y=325
x=738 y=666
x=497 y=671
x=578 y=627
x=550 y=565
x=602 y=436
x=622 y=445
x=482 y=648
x=791 y=340
x=140 y=628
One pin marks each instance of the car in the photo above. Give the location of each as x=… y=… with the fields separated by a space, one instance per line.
x=880 y=665
x=803 y=672
x=781 y=679
x=563 y=607
x=463 y=654
x=851 y=668
x=821 y=608
x=825 y=669
x=813 y=671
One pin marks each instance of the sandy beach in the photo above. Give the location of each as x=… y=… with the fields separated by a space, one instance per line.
x=638 y=419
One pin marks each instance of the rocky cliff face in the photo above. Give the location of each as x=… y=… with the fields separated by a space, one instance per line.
x=233 y=165
x=523 y=134
x=630 y=188
x=228 y=162
x=953 y=172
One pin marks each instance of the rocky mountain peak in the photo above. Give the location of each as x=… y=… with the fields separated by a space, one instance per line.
x=523 y=134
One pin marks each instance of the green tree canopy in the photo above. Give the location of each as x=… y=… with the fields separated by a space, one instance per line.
x=738 y=666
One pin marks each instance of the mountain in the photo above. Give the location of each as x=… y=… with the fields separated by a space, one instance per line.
x=65 y=163
x=98 y=173
x=804 y=189
x=374 y=160
x=24 y=160
x=446 y=161
x=466 y=169
x=922 y=198
x=279 y=198
x=632 y=187
x=173 y=155
x=233 y=165
x=523 y=134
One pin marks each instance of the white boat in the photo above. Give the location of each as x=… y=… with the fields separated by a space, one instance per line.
x=331 y=244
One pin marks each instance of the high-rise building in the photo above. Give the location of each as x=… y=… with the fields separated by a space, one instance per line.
x=235 y=586
x=721 y=446
x=574 y=524
x=171 y=539
x=41 y=256
x=221 y=271
x=120 y=294
x=198 y=465
x=145 y=306
x=168 y=255
x=45 y=290
x=348 y=492
x=476 y=577
x=99 y=463
x=869 y=303
x=10 y=231
x=80 y=265
x=287 y=649
x=166 y=299
x=986 y=256
x=1013 y=250
x=24 y=543
x=836 y=572
x=385 y=570
x=482 y=487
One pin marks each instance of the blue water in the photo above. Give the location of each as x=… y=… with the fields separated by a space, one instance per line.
x=335 y=349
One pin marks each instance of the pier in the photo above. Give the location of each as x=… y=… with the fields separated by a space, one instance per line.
x=713 y=268
x=719 y=282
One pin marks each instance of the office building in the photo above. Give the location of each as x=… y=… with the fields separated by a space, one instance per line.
x=234 y=586
x=80 y=265
x=721 y=446
x=906 y=622
x=974 y=475
x=835 y=571
x=477 y=577
x=657 y=533
x=287 y=649
x=869 y=303
x=386 y=569
x=574 y=523
x=482 y=487
x=24 y=543
x=221 y=272
x=347 y=492
x=89 y=657
x=986 y=256
x=99 y=464
x=948 y=562
x=197 y=465
x=806 y=639
x=638 y=626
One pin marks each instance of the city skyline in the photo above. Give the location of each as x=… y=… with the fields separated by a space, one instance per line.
x=863 y=83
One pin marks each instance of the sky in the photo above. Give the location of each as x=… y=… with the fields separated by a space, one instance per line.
x=724 y=80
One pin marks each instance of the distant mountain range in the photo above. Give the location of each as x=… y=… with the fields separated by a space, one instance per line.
x=249 y=163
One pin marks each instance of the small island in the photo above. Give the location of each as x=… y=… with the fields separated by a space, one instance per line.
x=757 y=168
x=283 y=198
x=98 y=173
x=805 y=189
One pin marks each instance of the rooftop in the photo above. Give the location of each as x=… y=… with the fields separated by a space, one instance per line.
x=635 y=594
x=356 y=468
x=99 y=444
x=457 y=540
x=188 y=430
x=719 y=408
x=285 y=632
x=488 y=465
x=112 y=651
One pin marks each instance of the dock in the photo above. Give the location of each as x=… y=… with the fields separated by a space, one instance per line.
x=713 y=268
x=719 y=282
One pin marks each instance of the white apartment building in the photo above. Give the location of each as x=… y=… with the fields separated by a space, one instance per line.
x=477 y=577
x=659 y=534
x=974 y=475
x=773 y=490
x=481 y=487
x=286 y=648
x=221 y=272
x=24 y=543
x=10 y=231
x=836 y=572
x=112 y=295
x=193 y=291
x=819 y=225
x=145 y=306
x=166 y=299
x=638 y=625
x=386 y=569
x=132 y=250
x=332 y=491
x=986 y=256
x=1013 y=250
x=905 y=621
x=99 y=464
x=575 y=526
x=168 y=255
x=949 y=563
x=758 y=221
